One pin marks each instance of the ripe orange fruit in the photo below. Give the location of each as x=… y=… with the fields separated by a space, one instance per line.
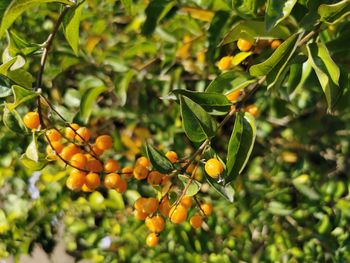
x=69 y=151
x=165 y=207
x=150 y=206
x=155 y=178
x=127 y=172
x=213 y=167
x=92 y=180
x=172 y=156
x=83 y=134
x=244 y=45
x=139 y=215
x=155 y=224
x=86 y=189
x=207 y=208
x=111 y=180
x=252 y=109
x=140 y=172
x=143 y=161
x=53 y=135
x=178 y=214
x=233 y=96
x=56 y=147
x=78 y=160
x=104 y=142
x=121 y=185
x=75 y=180
x=276 y=43
x=152 y=240
x=94 y=165
x=186 y=201
x=96 y=150
x=70 y=133
x=31 y=120
x=225 y=63
x=111 y=166
x=196 y=221
x=139 y=203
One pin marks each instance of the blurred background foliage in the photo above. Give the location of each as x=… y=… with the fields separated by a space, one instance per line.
x=292 y=200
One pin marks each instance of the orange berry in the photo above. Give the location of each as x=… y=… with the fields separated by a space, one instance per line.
x=94 y=165
x=92 y=180
x=186 y=201
x=244 y=45
x=150 y=206
x=196 y=221
x=69 y=151
x=83 y=134
x=75 y=180
x=139 y=203
x=70 y=133
x=190 y=168
x=140 y=215
x=53 y=135
x=111 y=180
x=252 y=109
x=127 y=172
x=111 y=166
x=233 y=96
x=78 y=160
x=86 y=189
x=143 y=161
x=213 y=167
x=140 y=172
x=155 y=178
x=96 y=150
x=207 y=208
x=121 y=186
x=172 y=156
x=225 y=63
x=165 y=179
x=165 y=207
x=155 y=224
x=31 y=120
x=178 y=214
x=55 y=147
x=104 y=142
x=152 y=240
x=276 y=43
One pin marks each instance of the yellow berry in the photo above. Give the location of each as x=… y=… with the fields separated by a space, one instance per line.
x=225 y=63
x=207 y=208
x=53 y=135
x=155 y=224
x=31 y=120
x=244 y=45
x=214 y=167
x=92 y=180
x=172 y=156
x=71 y=131
x=178 y=214
x=104 y=142
x=111 y=166
x=152 y=240
x=196 y=221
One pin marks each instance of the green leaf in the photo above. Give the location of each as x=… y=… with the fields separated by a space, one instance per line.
x=276 y=11
x=128 y=5
x=18 y=45
x=197 y=123
x=226 y=191
x=194 y=186
x=278 y=208
x=158 y=160
x=5 y=87
x=307 y=191
x=155 y=11
x=240 y=145
x=122 y=86
x=21 y=77
x=13 y=121
x=71 y=24
x=238 y=58
x=5 y=67
x=251 y=30
x=327 y=72
x=21 y=95
x=210 y=101
x=17 y=7
x=230 y=81
x=88 y=100
x=32 y=152
x=246 y=8
x=333 y=13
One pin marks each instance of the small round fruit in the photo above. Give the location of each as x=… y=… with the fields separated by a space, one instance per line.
x=143 y=161
x=127 y=172
x=68 y=151
x=178 y=214
x=139 y=215
x=172 y=156
x=94 y=165
x=244 y=45
x=233 y=96
x=54 y=148
x=76 y=180
x=31 y=120
x=70 y=132
x=214 y=167
x=111 y=166
x=252 y=109
x=53 y=135
x=111 y=180
x=225 y=63
x=78 y=160
x=83 y=134
x=152 y=240
x=196 y=221
x=86 y=189
x=276 y=43
x=186 y=201
x=92 y=180
x=104 y=142
x=139 y=203
x=155 y=224
x=121 y=186
x=96 y=150
x=140 y=172
x=207 y=208
x=164 y=207
x=150 y=206
x=155 y=178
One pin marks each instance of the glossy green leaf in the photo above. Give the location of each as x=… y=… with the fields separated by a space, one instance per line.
x=17 y=7
x=88 y=100
x=13 y=121
x=18 y=45
x=333 y=13
x=21 y=77
x=241 y=56
x=5 y=67
x=158 y=160
x=71 y=25
x=32 y=152
x=194 y=186
x=226 y=191
x=327 y=72
x=21 y=95
x=197 y=123
x=276 y=11
x=5 y=87
x=240 y=145
x=246 y=8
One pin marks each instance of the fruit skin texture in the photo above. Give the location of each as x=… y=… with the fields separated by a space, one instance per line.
x=233 y=96
x=79 y=160
x=94 y=165
x=68 y=151
x=196 y=221
x=83 y=134
x=140 y=172
x=214 y=167
x=104 y=142
x=155 y=178
x=178 y=214
x=186 y=201
x=155 y=224
x=252 y=109
x=127 y=172
x=143 y=161
x=244 y=45
x=111 y=166
x=31 y=120
x=207 y=208
x=76 y=180
x=56 y=146
x=53 y=135
x=111 y=180
x=121 y=185
x=225 y=63
x=276 y=43
x=92 y=180
x=139 y=215
x=150 y=206
x=152 y=240
x=69 y=132
x=165 y=207
x=172 y=156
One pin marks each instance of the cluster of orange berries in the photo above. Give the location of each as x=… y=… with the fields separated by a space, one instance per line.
x=234 y=95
